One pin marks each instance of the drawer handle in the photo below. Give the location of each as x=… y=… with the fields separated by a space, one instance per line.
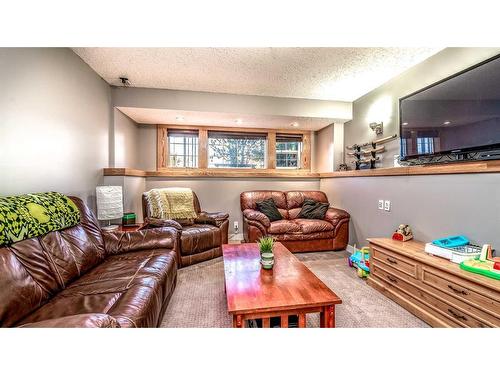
x=390 y=260
x=464 y=292
x=392 y=279
x=458 y=316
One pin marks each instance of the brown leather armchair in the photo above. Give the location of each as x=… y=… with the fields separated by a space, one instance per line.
x=83 y=277
x=296 y=234
x=201 y=239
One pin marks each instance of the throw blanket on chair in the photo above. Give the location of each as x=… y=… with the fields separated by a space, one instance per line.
x=171 y=203
x=32 y=215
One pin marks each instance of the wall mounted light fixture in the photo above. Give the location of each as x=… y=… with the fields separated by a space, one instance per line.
x=377 y=127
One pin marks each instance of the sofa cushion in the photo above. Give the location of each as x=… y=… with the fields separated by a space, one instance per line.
x=131 y=287
x=295 y=199
x=313 y=225
x=248 y=199
x=313 y=210
x=268 y=208
x=283 y=226
x=198 y=238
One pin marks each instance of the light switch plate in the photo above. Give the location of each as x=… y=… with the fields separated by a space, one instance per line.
x=236 y=227
x=387 y=205
x=380 y=204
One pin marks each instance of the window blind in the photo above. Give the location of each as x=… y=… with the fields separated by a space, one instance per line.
x=288 y=137
x=182 y=133
x=236 y=135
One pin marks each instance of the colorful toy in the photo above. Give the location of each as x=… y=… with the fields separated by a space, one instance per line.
x=361 y=260
x=403 y=233
x=452 y=241
x=486 y=265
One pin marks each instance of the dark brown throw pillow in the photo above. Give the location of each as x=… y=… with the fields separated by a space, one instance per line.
x=313 y=210
x=268 y=208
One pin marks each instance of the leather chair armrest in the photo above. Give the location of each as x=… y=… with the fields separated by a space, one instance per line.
x=116 y=242
x=76 y=321
x=213 y=218
x=335 y=215
x=151 y=222
x=254 y=215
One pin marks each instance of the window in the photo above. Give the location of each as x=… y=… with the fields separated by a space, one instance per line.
x=425 y=145
x=236 y=150
x=288 y=150
x=182 y=148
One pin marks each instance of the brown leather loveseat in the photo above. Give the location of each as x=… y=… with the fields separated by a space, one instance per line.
x=296 y=234
x=201 y=239
x=82 y=277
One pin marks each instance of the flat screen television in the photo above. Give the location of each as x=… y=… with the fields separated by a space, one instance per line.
x=456 y=115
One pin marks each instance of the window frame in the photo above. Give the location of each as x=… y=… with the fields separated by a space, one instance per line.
x=180 y=133
x=162 y=152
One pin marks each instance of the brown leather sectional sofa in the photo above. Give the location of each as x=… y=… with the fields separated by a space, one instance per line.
x=296 y=234
x=83 y=277
x=202 y=239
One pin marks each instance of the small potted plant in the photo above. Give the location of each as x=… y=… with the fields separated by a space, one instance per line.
x=266 y=252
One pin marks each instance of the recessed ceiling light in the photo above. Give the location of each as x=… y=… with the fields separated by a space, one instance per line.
x=404 y=123
x=179 y=118
x=295 y=124
x=447 y=123
x=239 y=121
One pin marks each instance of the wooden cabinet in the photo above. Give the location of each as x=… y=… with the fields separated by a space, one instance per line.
x=434 y=289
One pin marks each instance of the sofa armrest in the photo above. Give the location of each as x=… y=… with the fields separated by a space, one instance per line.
x=254 y=215
x=76 y=321
x=213 y=218
x=116 y=242
x=150 y=222
x=335 y=215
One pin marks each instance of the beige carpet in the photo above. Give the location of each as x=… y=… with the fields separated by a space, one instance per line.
x=199 y=299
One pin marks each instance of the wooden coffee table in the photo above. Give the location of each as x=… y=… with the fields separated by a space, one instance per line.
x=290 y=288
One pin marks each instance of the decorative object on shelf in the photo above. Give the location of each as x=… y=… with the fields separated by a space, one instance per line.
x=266 y=245
x=486 y=265
x=342 y=167
x=377 y=127
x=403 y=233
x=360 y=259
x=128 y=219
x=109 y=204
x=365 y=155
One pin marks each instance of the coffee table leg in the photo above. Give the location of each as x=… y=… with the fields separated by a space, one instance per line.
x=237 y=321
x=327 y=317
x=284 y=321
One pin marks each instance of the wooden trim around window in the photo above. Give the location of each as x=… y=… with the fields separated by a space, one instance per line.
x=162 y=148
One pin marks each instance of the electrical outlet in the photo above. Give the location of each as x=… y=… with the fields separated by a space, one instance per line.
x=387 y=205
x=236 y=227
x=380 y=204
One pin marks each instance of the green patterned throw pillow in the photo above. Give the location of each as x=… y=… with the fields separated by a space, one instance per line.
x=32 y=215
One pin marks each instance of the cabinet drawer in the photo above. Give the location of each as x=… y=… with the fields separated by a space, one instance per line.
x=475 y=295
x=407 y=266
x=452 y=313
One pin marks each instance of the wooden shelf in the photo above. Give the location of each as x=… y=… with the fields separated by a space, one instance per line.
x=492 y=166
x=213 y=173
x=456 y=168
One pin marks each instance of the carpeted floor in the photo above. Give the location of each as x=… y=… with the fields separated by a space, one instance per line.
x=199 y=299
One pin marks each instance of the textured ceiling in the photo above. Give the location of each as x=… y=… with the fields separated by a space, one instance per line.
x=313 y=73
x=174 y=117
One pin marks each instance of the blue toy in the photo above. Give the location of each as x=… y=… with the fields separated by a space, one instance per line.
x=453 y=241
x=361 y=260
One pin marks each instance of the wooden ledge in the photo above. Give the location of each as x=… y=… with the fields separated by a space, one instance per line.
x=492 y=166
x=215 y=173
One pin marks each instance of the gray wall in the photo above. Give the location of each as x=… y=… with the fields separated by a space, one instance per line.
x=55 y=118
x=126 y=147
x=434 y=206
x=382 y=103
x=230 y=103
x=323 y=150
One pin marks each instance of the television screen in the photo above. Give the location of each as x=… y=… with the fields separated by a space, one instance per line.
x=458 y=114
